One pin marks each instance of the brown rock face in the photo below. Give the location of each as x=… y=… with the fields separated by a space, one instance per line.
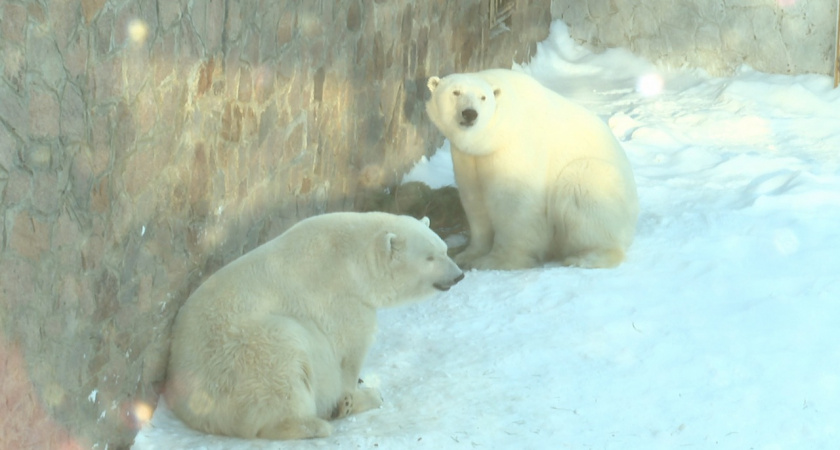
x=145 y=144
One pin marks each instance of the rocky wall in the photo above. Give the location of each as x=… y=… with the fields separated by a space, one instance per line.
x=775 y=36
x=144 y=144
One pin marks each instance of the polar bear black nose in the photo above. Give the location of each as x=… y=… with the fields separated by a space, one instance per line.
x=447 y=285
x=469 y=115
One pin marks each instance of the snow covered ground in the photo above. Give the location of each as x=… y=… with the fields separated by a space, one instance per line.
x=721 y=330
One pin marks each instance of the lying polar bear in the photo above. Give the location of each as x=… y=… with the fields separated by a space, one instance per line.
x=271 y=345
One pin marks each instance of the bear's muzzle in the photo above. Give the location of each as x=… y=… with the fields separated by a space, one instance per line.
x=446 y=285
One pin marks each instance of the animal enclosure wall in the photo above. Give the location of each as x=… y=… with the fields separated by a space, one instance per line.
x=144 y=144
x=775 y=36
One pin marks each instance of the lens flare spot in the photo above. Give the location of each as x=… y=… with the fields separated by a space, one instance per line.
x=138 y=31
x=650 y=84
x=142 y=413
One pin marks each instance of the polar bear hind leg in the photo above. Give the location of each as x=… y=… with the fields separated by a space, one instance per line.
x=281 y=381
x=593 y=259
x=594 y=221
x=296 y=428
x=360 y=400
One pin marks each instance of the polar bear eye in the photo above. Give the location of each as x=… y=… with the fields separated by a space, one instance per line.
x=456 y=93
x=430 y=258
x=483 y=98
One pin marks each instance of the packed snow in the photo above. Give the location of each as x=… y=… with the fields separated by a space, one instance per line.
x=721 y=329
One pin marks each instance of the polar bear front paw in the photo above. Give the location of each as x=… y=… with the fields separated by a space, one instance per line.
x=465 y=259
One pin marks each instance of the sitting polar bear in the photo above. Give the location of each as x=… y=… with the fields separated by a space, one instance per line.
x=540 y=178
x=271 y=345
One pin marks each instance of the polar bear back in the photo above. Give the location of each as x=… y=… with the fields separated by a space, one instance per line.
x=525 y=104
x=317 y=245
x=313 y=260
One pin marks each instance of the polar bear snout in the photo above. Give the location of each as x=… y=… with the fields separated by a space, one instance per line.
x=468 y=115
x=446 y=285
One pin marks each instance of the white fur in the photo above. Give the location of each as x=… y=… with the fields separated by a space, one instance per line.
x=271 y=345
x=540 y=177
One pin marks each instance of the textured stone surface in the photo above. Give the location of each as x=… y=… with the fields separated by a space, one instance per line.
x=776 y=36
x=144 y=144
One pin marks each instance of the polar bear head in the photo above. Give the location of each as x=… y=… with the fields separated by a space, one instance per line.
x=463 y=107
x=416 y=260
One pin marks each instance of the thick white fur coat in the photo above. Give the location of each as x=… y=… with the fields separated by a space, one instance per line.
x=540 y=177
x=272 y=344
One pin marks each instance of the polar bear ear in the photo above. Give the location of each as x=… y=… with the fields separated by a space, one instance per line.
x=393 y=243
x=425 y=221
x=433 y=83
